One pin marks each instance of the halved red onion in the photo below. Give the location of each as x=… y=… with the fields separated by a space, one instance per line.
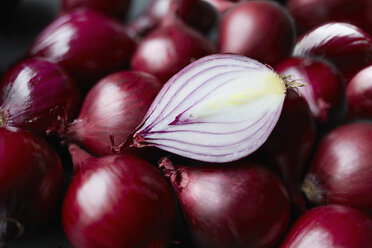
x=219 y=108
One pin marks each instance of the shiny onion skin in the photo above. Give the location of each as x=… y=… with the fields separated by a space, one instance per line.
x=359 y=95
x=324 y=89
x=39 y=96
x=234 y=205
x=112 y=110
x=341 y=170
x=219 y=108
x=31 y=183
x=261 y=30
x=310 y=14
x=86 y=43
x=117 y=201
x=113 y=8
x=168 y=49
x=348 y=47
x=331 y=226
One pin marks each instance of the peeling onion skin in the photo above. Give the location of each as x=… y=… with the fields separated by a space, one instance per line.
x=117 y=201
x=331 y=226
x=324 y=89
x=341 y=170
x=261 y=30
x=236 y=205
x=113 y=108
x=346 y=46
x=38 y=95
x=220 y=108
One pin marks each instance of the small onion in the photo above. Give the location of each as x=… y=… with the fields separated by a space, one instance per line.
x=219 y=108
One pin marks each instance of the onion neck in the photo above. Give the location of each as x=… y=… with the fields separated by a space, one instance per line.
x=311 y=189
x=79 y=156
x=2 y=119
x=10 y=229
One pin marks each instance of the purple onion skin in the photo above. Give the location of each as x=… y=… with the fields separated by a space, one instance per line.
x=327 y=102
x=39 y=96
x=114 y=8
x=296 y=129
x=87 y=44
x=31 y=182
x=117 y=201
x=168 y=49
x=346 y=46
x=261 y=30
x=359 y=95
x=113 y=107
x=230 y=205
x=331 y=226
x=309 y=14
x=341 y=170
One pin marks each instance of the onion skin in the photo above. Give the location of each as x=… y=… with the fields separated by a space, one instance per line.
x=235 y=205
x=346 y=46
x=31 y=182
x=113 y=108
x=117 y=201
x=39 y=96
x=168 y=49
x=324 y=89
x=341 y=170
x=359 y=95
x=65 y=41
x=331 y=226
x=261 y=30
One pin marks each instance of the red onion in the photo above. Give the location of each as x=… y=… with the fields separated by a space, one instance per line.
x=168 y=49
x=359 y=94
x=117 y=201
x=38 y=95
x=311 y=13
x=324 y=91
x=31 y=181
x=87 y=44
x=332 y=226
x=114 y=8
x=348 y=47
x=261 y=30
x=341 y=171
x=218 y=109
x=234 y=205
x=112 y=110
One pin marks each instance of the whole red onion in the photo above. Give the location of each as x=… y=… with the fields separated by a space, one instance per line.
x=261 y=30
x=31 y=181
x=331 y=226
x=324 y=91
x=341 y=171
x=117 y=201
x=38 y=95
x=230 y=205
x=112 y=110
x=87 y=44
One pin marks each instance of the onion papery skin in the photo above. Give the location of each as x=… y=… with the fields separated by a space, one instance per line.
x=359 y=95
x=117 y=201
x=261 y=30
x=114 y=8
x=112 y=109
x=39 y=96
x=290 y=146
x=168 y=49
x=310 y=14
x=324 y=89
x=236 y=205
x=31 y=182
x=331 y=226
x=346 y=46
x=341 y=170
x=220 y=108
x=87 y=44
